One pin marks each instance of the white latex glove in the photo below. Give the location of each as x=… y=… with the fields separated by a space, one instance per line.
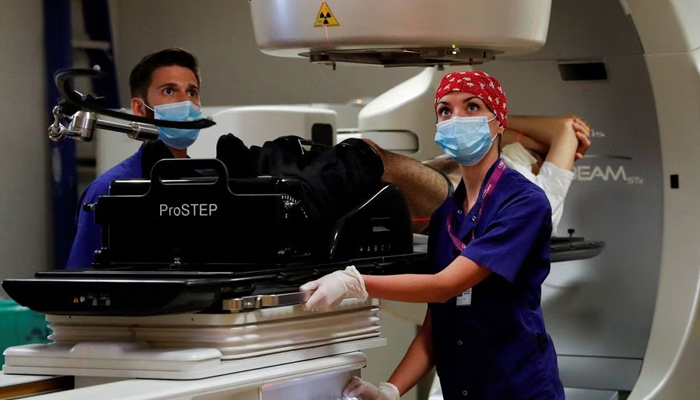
x=331 y=289
x=367 y=391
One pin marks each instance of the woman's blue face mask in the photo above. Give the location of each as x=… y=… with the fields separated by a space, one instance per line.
x=182 y=111
x=466 y=140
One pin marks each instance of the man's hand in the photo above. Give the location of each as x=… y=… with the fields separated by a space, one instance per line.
x=367 y=391
x=583 y=134
x=331 y=289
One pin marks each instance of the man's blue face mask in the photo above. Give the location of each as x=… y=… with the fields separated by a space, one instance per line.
x=465 y=139
x=182 y=111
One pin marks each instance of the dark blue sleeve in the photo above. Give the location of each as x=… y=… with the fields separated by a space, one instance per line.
x=508 y=239
x=88 y=235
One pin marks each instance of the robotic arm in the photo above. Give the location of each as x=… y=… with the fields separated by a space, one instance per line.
x=76 y=115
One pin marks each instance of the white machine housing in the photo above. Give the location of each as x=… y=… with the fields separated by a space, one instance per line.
x=394 y=33
x=400 y=120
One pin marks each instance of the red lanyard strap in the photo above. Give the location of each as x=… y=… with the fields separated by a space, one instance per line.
x=488 y=191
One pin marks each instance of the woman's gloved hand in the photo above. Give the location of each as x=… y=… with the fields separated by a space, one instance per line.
x=331 y=289
x=367 y=391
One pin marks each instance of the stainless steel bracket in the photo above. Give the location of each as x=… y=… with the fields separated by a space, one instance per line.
x=266 y=300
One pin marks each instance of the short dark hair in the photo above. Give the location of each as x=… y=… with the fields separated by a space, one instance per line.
x=142 y=74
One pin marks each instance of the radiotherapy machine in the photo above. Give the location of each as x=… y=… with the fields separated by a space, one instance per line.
x=624 y=321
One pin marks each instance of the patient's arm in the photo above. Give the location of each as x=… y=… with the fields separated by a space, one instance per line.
x=562 y=139
x=448 y=167
x=424 y=188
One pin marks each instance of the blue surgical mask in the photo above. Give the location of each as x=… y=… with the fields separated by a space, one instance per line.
x=465 y=139
x=182 y=111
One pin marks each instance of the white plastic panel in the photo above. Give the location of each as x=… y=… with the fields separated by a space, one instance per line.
x=323 y=387
x=255 y=125
x=113 y=355
x=667 y=26
x=56 y=360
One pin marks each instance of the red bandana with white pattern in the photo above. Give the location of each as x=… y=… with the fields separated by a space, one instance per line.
x=480 y=84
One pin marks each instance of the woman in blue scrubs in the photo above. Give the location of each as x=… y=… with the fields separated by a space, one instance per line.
x=488 y=255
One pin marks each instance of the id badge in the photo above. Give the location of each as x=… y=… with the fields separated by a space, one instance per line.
x=465 y=299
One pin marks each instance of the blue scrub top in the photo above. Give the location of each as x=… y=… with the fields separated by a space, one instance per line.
x=494 y=345
x=88 y=235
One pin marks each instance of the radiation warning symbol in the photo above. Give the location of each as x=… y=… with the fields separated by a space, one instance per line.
x=325 y=17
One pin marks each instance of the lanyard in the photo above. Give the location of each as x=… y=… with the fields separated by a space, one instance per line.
x=488 y=190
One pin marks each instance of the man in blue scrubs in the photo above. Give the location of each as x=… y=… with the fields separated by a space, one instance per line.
x=164 y=84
